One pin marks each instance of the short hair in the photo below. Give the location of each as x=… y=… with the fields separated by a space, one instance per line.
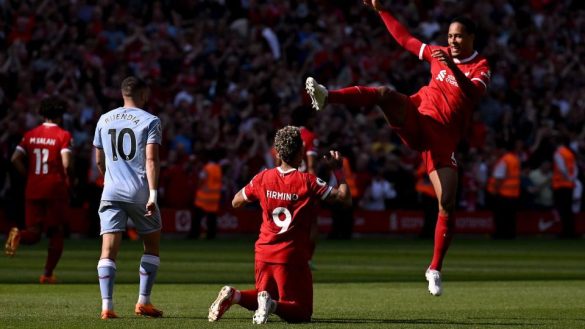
x=132 y=87
x=469 y=25
x=52 y=108
x=288 y=143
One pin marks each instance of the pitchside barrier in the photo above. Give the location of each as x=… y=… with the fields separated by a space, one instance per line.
x=247 y=221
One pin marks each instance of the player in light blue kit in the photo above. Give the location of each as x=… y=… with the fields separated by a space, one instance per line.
x=127 y=143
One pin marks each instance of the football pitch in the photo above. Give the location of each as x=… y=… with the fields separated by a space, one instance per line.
x=369 y=283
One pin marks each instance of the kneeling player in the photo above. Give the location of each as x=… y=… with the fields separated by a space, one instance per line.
x=284 y=284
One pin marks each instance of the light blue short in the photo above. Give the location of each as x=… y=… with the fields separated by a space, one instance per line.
x=114 y=217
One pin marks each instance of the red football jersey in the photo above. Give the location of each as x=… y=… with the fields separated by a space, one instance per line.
x=43 y=145
x=310 y=142
x=287 y=213
x=442 y=98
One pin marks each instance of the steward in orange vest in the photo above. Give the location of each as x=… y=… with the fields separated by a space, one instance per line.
x=563 y=183
x=207 y=200
x=504 y=187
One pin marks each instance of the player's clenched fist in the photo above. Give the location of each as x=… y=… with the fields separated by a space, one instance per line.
x=443 y=57
x=334 y=160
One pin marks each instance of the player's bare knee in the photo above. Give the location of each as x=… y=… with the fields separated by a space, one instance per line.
x=446 y=206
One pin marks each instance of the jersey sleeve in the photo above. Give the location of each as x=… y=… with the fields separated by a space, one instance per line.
x=23 y=145
x=97 y=137
x=481 y=76
x=404 y=38
x=154 y=132
x=67 y=142
x=318 y=187
x=251 y=191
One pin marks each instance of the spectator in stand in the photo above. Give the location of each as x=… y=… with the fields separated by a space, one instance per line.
x=378 y=193
x=541 y=179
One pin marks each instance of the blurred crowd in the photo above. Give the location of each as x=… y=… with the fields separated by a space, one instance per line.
x=226 y=74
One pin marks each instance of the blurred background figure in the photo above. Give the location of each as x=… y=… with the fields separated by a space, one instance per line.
x=504 y=187
x=207 y=196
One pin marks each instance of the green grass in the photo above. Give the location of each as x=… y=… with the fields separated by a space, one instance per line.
x=534 y=283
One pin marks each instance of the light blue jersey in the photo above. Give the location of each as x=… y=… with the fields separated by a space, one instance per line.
x=123 y=134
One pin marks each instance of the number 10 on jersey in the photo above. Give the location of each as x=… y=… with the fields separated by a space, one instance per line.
x=118 y=144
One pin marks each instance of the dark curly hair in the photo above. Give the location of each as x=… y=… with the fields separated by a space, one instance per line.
x=52 y=108
x=288 y=143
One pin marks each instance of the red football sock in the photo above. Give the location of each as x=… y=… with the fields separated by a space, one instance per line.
x=292 y=312
x=444 y=230
x=54 y=252
x=249 y=299
x=29 y=237
x=354 y=96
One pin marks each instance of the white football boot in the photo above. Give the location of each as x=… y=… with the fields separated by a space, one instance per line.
x=434 y=278
x=266 y=306
x=221 y=304
x=317 y=92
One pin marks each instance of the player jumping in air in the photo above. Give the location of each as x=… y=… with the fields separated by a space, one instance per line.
x=127 y=143
x=284 y=284
x=47 y=149
x=431 y=121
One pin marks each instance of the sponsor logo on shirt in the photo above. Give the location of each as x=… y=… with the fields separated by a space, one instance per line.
x=442 y=76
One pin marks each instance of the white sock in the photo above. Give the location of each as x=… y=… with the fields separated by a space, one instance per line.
x=107 y=305
x=142 y=299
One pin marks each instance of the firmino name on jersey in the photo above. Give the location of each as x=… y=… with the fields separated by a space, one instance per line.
x=281 y=196
x=42 y=141
x=122 y=116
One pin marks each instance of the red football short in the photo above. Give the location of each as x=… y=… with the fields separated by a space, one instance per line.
x=286 y=282
x=424 y=134
x=48 y=212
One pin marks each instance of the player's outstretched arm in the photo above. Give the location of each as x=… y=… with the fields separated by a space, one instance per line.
x=340 y=194
x=152 y=173
x=397 y=30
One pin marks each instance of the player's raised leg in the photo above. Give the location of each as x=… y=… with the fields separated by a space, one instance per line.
x=392 y=103
x=444 y=181
x=149 y=264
